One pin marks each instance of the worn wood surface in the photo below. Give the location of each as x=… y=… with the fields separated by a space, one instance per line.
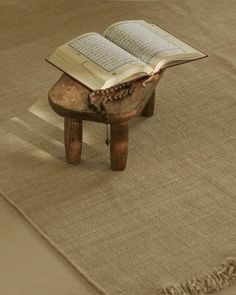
x=73 y=140
x=148 y=110
x=68 y=98
x=119 y=145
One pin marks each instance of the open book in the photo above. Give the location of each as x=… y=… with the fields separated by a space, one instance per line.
x=126 y=51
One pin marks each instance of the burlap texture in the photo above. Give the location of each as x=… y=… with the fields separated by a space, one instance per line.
x=171 y=214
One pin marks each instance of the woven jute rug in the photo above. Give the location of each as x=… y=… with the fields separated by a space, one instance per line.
x=167 y=224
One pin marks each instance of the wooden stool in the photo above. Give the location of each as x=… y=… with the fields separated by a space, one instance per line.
x=68 y=98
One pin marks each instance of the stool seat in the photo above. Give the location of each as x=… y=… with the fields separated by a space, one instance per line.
x=69 y=99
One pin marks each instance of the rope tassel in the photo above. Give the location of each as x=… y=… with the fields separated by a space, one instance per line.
x=107 y=141
x=208 y=282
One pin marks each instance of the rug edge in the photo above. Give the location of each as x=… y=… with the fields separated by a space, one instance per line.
x=58 y=249
x=220 y=277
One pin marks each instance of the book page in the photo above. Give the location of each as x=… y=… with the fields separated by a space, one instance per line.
x=96 y=62
x=103 y=52
x=139 y=40
x=151 y=44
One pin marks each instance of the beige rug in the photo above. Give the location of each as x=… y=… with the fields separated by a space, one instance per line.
x=171 y=215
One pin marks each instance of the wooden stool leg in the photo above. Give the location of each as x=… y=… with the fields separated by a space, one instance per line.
x=119 y=145
x=73 y=140
x=148 y=110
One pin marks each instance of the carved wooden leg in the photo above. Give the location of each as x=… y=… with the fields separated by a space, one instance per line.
x=119 y=145
x=149 y=107
x=73 y=140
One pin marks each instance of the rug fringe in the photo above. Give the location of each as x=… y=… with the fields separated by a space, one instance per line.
x=220 y=277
